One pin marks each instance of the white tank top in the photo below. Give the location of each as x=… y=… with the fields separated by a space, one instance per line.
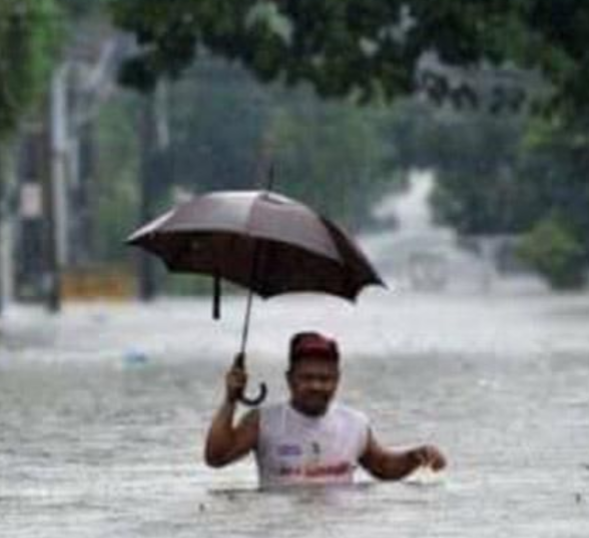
x=294 y=449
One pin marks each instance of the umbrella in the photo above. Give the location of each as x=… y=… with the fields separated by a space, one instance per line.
x=261 y=240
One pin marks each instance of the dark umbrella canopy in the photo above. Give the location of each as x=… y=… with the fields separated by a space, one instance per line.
x=261 y=240
x=268 y=243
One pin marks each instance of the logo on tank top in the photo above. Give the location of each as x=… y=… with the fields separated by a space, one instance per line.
x=315 y=452
x=289 y=450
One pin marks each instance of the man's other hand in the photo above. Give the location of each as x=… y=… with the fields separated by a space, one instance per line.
x=429 y=456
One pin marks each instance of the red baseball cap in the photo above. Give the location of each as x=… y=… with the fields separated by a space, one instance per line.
x=313 y=344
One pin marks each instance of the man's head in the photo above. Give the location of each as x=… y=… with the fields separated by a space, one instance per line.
x=313 y=373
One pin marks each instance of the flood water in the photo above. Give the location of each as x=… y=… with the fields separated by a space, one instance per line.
x=103 y=412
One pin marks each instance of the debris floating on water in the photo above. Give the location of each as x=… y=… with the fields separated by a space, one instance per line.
x=135 y=357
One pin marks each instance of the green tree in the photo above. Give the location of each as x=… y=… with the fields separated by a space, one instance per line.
x=556 y=252
x=330 y=155
x=28 y=31
x=218 y=118
x=476 y=157
x=506 y=175
x=227 y=130
x=28 y=39
x=115 y=192
x=374 y=50
x=363 y=48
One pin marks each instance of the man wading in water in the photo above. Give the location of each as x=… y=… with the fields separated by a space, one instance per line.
x=310 y=439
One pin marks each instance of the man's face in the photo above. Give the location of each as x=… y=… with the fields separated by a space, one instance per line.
x=313 y=382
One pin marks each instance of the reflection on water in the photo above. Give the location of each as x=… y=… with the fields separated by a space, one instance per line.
x=103 y=411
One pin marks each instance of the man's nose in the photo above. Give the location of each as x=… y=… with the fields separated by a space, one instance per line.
x=318 y=385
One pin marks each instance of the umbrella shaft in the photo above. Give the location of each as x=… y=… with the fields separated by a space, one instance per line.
x=246 y=323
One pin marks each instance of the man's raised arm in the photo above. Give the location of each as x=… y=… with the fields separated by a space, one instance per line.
x=226 y=442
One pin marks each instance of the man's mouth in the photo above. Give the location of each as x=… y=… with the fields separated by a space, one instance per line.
x=318 y=399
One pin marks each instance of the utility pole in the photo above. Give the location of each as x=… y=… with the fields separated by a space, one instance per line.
x=54 y=187
x=5 y=242
x=51 y=282
x=7 y=219
x=154 y=143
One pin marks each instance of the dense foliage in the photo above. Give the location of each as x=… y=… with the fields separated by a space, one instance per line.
x=227 y=131
x=29 y=32
x=496 y=174
x=363 y=48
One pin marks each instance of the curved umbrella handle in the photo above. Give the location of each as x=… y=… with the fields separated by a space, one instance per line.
x=258 y=399
x=240 y=363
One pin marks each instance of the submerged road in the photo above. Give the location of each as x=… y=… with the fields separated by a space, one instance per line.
x=103 y=411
